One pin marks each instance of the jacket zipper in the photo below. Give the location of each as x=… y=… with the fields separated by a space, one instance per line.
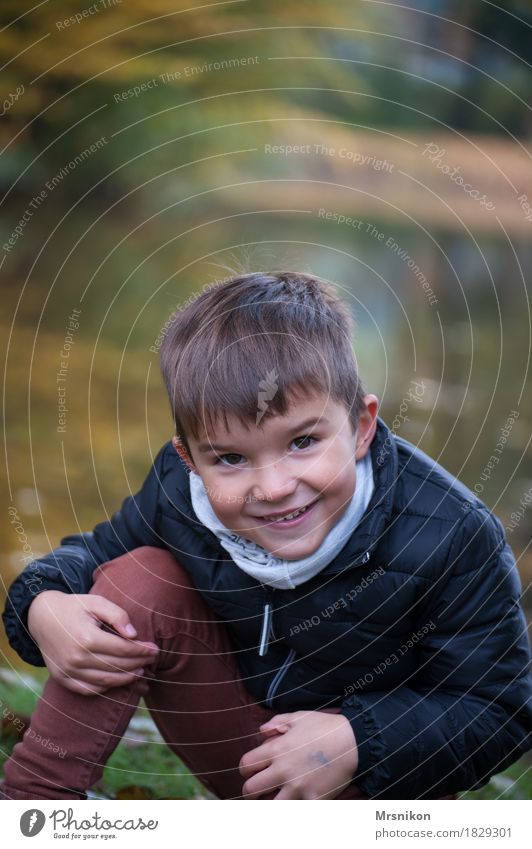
x=267 y=614
x=265 y=630
x=281 y=672
x=267 y=621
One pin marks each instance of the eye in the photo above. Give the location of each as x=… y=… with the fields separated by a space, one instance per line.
x=226 y=459
x=221 y=459
x=304 y=439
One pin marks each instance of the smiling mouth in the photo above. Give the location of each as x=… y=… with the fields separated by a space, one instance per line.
x=287 y=516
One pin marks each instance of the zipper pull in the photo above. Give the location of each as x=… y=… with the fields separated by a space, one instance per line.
x=265 y=632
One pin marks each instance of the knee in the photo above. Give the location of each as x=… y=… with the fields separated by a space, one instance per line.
x=146 y=581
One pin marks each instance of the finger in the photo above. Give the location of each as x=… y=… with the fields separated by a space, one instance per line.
x=254 y=760
x=104 y=643
x=81 y=688
x=260 y=784
x=274 y=731
x=112 y=614
x=280 y=719
x=113 y=663
x=287 y=792
x=107 y=680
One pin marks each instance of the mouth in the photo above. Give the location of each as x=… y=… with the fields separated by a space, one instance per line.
x=288 y=519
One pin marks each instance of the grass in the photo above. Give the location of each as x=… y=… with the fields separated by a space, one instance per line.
x=514 y=783
x=143 y=767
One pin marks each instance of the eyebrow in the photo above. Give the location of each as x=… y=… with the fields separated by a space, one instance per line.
x=208 y=448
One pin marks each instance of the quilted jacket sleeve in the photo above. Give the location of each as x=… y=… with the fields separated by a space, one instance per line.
x=69 y=567
x=466 y=714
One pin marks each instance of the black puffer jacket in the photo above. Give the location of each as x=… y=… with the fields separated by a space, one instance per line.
x=415 y=628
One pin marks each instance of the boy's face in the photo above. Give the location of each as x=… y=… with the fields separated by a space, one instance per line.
x=282 y=466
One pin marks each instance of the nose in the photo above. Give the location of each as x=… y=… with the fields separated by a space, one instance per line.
x=272 y=484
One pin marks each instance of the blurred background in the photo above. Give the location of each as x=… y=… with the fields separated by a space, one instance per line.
x=150 y=147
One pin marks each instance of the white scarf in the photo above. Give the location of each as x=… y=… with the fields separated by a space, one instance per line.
x=264 y=566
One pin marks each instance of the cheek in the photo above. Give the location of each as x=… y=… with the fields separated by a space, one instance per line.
x=224 y=496
x=226 y=513
x=335 y=472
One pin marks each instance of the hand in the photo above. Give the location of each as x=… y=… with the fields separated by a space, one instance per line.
x=312 y=755
x=79 y=654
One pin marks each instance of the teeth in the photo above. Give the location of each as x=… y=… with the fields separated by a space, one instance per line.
x=285 y=518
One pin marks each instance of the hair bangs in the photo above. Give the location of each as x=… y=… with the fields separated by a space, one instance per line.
x=253 y=346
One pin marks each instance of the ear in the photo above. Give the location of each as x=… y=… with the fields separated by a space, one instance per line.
x=367 y=425
x=183 y=453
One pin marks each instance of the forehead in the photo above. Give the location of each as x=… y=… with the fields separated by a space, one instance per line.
x=303 y=413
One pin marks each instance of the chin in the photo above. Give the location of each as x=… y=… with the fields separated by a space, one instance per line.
x=292 y=552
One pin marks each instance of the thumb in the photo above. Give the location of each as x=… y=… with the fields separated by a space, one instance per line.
x=279 y=718
x=111 y=614
x=279 y=724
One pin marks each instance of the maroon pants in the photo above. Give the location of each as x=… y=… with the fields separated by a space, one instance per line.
x=193 y=691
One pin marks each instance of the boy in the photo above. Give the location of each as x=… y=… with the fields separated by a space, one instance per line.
x=315 y=598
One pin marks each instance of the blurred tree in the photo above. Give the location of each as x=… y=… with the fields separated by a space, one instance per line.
x=78 y=75
x=463 y=65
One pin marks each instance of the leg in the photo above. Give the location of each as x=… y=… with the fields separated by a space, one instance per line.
x=197 y=698
x=194 y=692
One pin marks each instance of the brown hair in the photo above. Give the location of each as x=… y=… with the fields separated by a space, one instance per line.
x=286 y=333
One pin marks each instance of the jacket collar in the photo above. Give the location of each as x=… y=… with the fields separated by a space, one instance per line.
x=365 y=538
